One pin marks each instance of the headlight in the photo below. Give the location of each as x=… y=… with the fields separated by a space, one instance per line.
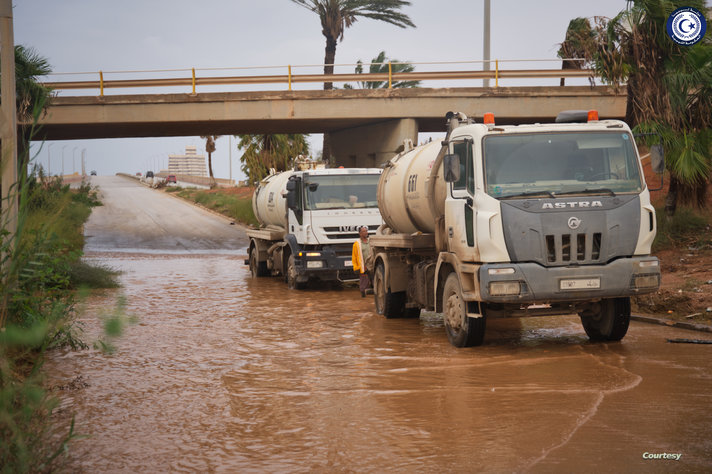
x=504 y=288
x=646 y=281
x=310 y=254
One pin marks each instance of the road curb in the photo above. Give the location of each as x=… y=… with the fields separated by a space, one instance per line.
x=671 y=323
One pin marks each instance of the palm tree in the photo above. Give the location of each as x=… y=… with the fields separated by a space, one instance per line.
x=669 y=89
x=337 y=15
x=210 y=148
x=32 y=97
x=270 y=152
x=379 y=64
x=579 y=36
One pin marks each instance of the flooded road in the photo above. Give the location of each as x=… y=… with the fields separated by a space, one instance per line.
x=225 y=373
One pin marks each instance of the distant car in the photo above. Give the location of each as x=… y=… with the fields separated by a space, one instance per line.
x=139 y=174
x=93 y=173
x=171 y=178
x=149 y=174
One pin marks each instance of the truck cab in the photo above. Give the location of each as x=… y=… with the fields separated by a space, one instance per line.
x=537 y=219
x=322 y=211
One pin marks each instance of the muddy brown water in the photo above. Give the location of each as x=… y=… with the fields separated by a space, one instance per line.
x=225 y=373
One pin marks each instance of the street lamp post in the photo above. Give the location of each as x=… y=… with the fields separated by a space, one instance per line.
x=84 y=172
x=486 y=41
x=74 y=163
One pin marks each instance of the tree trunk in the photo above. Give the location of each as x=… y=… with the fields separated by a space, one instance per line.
x=671 y=198
x=210 y=169
x=329 y=57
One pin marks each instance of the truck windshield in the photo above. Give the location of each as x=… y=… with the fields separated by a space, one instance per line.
x=341 y=191
x=561 y=163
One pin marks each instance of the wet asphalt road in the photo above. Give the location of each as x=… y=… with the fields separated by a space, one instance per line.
x=225 y=373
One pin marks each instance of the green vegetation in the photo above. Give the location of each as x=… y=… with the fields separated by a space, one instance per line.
x=39 y=274
x=380 y=64
x=237 y=206
x=687 y=227
x=669 y=86
x=266 y=152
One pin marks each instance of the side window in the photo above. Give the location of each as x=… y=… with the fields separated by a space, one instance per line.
x=467 y=178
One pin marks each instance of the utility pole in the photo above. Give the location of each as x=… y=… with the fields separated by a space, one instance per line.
x=8 y=126
x=486 y=42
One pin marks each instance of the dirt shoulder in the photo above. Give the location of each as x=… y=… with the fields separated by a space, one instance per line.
x=686 y=290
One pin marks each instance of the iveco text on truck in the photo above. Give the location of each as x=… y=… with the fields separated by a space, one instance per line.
x=309 y=218
x=511 y=221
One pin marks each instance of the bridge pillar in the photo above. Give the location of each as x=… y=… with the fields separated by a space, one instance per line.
x=371 y=145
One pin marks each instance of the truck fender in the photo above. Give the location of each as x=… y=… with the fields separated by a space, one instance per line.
x=467 y=273
x=396 y=271
x=261 y=247
x=294 y=247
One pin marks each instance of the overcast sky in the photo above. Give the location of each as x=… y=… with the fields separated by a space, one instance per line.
x=92 y=35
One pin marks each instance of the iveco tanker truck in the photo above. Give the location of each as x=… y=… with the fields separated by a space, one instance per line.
x=512 y=221
x=309 y=219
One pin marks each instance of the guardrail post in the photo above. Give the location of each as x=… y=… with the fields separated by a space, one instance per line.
x=193 y=81
x=289 y=68
x=101 y=84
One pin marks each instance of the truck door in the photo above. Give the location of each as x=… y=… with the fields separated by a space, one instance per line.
x=459 y=211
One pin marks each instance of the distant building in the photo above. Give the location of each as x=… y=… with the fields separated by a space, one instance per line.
x=189 y=164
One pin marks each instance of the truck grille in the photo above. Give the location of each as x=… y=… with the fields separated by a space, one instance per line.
x=346 y=232
x=566 y=248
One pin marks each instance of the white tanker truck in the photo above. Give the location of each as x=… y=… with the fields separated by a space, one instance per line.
x=512 y=221
x=309 y=219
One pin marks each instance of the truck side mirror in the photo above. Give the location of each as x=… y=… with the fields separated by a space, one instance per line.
x=451 y=168
x=291 y=194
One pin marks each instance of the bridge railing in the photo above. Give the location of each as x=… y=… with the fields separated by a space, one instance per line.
x=192 y=78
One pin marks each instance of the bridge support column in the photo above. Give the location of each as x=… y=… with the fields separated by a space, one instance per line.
x=371 y=145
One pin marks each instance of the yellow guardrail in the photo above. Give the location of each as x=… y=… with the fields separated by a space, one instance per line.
x=193 y=81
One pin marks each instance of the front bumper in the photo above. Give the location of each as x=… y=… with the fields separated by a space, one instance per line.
x=324 y=264
x=533 y=283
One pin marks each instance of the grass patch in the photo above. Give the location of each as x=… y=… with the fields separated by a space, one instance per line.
x=686 y=228
x=85 y=275
x=235 y=205
x=40 y=271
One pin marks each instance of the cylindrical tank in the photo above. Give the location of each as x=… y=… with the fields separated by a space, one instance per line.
x=412 y=191
x=269 y=202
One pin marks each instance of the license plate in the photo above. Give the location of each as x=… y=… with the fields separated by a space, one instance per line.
x=348 y=263
x=580 y=284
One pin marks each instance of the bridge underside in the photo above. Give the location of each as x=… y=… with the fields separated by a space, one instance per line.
x=362 y=123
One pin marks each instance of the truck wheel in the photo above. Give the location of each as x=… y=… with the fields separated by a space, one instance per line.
x=461 y=330
x=610 y=322
x=291 y=276
x=257 y=268
x=390 y=305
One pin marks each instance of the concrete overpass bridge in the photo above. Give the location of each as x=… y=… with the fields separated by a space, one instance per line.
x=366 y=125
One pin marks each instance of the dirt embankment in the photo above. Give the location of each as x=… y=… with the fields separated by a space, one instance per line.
x=686 y=266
